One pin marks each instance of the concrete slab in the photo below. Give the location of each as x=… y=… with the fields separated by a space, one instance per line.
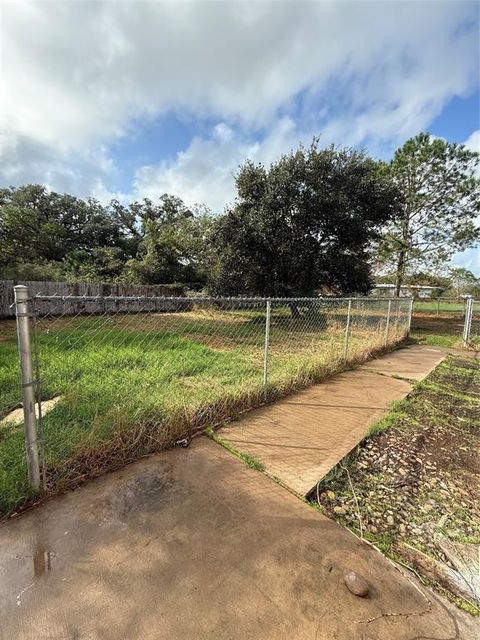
x=301 y=438
x=414 y=362
x=191 y=544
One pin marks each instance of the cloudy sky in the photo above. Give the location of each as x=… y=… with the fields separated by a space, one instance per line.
x=134 y=99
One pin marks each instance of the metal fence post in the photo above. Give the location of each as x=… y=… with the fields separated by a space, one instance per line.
x=387 y=328
x=410 y=313
x=347 y=330
x=22 y=305
x=267 y=343
x=468 y=320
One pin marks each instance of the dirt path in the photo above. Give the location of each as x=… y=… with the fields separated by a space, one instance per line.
x=192 y=544
x=299 y=439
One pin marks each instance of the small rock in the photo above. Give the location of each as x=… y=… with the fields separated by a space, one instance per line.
x=402 y=528
x=331 y=495
x=340 y=511
x=390 y=520
x=356 y=584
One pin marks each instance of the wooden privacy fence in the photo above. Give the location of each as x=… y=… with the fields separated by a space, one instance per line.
x=90 y=290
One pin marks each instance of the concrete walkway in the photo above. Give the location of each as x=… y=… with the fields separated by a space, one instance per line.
x=301 y=438
x=191 y=544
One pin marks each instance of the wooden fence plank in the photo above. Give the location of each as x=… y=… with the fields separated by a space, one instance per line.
x=84 y=289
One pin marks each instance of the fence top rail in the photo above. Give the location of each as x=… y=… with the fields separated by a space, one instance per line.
x=212 y=298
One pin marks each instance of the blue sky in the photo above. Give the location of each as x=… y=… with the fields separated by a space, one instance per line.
x=163 y=138
x=161 y=97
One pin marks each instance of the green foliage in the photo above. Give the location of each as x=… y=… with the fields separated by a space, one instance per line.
x=48 y=236
x=463 y=282
x=303 y=224
x=441 y=202
x=174 y=245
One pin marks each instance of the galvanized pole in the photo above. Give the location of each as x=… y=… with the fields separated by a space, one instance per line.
x=267 y=342
x=347 y=330
x=410 y=313
x=465 y=323
x=468 y=320
x=387 y=328
x=27 y=381
x=472 y=311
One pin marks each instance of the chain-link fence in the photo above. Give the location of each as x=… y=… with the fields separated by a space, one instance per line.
x=120 y=378
x=471 y=326
x=439 y=306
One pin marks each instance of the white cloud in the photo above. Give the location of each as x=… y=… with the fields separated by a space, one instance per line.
x=473 y=141
x=205 y=171
x=469 y=259
x=75 y=76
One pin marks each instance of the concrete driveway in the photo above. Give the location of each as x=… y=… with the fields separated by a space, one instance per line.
x=192 y=544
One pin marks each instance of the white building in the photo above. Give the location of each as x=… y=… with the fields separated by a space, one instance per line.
x=406 y=291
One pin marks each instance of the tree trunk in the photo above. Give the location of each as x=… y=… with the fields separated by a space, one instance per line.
x=294 y=309
x=400 y=272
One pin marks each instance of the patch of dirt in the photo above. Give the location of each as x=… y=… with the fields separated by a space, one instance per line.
x=420 y=478
x=450 y=324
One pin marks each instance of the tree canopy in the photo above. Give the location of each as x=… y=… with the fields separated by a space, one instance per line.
x=441 y=201
x=303 y=224
x=46 y=235
x=316 y=220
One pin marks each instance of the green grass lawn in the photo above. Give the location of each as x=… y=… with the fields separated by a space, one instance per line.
x=438 y=331
x=133 y=384
x=439 y=306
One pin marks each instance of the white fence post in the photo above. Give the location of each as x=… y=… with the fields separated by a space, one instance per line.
x=347 y=330
x=387 y=328
x=267 y=343
x=467 y=327
x=26 y=376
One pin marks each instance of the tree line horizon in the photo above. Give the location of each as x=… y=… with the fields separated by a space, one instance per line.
x=317 y=220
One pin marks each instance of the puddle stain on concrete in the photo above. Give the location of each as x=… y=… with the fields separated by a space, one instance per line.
x=147 y=493
x=36 y=564
x=42 y=560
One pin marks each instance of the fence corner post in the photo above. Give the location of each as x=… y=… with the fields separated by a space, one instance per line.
x=22 y=312
x=468 y=321
x=347 y=330
x=267 y=342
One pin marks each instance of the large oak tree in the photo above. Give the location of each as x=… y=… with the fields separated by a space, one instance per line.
x=303 y=224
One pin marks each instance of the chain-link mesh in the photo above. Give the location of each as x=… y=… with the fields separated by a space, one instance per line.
x=439 y=306
x=123 y=377
x=473 y=337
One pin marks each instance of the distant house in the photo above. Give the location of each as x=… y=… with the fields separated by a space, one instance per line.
x=406 y=291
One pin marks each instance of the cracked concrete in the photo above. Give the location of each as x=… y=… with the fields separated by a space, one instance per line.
x=192 y=544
